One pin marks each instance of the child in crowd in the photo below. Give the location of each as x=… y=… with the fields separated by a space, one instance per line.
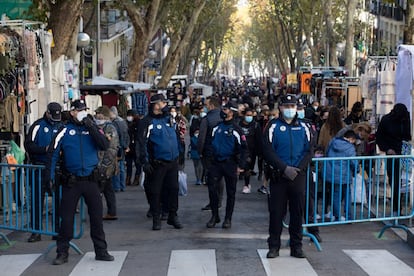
x=340 y=172
x=195 y=156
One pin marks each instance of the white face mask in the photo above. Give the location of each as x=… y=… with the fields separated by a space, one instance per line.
x=202 y=114
x=174 y=114
x=100 y=122
x=81 y=115
x=130 y=118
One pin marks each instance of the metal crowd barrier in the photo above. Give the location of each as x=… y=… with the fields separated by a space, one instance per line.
x=366 y=192
x=17 y=204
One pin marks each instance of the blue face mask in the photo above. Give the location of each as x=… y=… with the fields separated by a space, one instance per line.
x=301 y=114
x=289 y=113
x=248 y=119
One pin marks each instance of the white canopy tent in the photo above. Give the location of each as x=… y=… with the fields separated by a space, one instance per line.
x=206 y=90
x=99 y=80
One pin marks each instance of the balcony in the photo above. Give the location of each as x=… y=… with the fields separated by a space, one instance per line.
x=112 y=23
x=387 y=10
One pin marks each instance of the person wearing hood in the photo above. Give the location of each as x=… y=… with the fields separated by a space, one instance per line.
x=393 y=129
x=286 y=149
x=339 y=173
x=159 y=144
x=36 y=144
x=108 y=164
x=119 y=180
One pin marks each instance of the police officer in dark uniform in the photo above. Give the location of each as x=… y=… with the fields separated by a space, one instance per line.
x=312 y=135
x=78 y=144
x=36 y=144
x=286 y=149
x=159 y=144
x=229 y=153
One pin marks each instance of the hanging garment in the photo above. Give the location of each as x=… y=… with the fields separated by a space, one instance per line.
x=404 y=78
x=9 y=115
x=93 y=101
x=140 y=103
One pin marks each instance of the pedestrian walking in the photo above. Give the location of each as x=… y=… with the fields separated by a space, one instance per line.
x=107 y=165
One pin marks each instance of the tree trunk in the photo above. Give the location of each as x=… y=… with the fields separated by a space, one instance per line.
x=145 y=25
x=409 y=26
x=63 y=21
x=170 y=66
x=333 y=60
x=350 y=30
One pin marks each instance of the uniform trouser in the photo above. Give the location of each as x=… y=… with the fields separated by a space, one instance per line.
x=217 y=171
x=163 y=179
x=207 y=163
x=38 y=190
x=109 y=195
x=70 y=197
x=283 y=190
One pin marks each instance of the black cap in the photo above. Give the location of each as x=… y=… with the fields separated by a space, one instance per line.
x=288 y=99
x=232 y=106
x=300 y=103
x=132 y=112
x=55 y=111
x=157 y=98
x=78 y=105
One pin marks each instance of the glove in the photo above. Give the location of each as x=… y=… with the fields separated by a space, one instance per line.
x=291 y=172
x=88 y=121
x=148 y=168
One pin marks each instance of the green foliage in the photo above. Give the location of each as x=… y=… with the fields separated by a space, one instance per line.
x=37 y=11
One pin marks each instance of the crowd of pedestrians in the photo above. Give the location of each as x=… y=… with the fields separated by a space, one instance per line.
x=235 y=134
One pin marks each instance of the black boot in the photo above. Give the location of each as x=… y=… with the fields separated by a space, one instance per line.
x=213 y=220
x=226 y=223
x=297 y=253
x=272 y=253
x=156 y=223
x=34 y=238
x=173 y=220
x=60 y=259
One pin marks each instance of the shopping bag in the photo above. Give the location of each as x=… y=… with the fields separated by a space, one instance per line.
x=17 y=152
x=182 y=183
x=358 y=193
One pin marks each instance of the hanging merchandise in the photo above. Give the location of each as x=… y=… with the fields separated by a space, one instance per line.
x=405 y=76
x=386 y=95
x=305 y=83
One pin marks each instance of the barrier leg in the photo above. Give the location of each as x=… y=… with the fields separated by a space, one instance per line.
x=394 y=225
x=314 y=240
x=4 y=237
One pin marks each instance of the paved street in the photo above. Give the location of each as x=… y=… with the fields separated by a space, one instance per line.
x=196 y=250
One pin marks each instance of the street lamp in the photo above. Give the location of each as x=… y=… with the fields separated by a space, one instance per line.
x=83 y=42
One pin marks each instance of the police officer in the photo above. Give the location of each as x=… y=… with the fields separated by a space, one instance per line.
x=159 y=143
x=78 y=144
x=312 y=135
x=36 y=144
x=229 y=153
x=286 y=149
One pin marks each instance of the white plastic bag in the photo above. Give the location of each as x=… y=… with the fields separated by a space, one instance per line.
x=358 y=193
x=142 y=179
x=182 y=183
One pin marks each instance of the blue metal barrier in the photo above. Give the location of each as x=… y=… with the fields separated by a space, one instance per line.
x=20 y=188
x=354 y=189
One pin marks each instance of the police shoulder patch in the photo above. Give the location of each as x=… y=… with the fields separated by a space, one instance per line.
x=72 y=132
